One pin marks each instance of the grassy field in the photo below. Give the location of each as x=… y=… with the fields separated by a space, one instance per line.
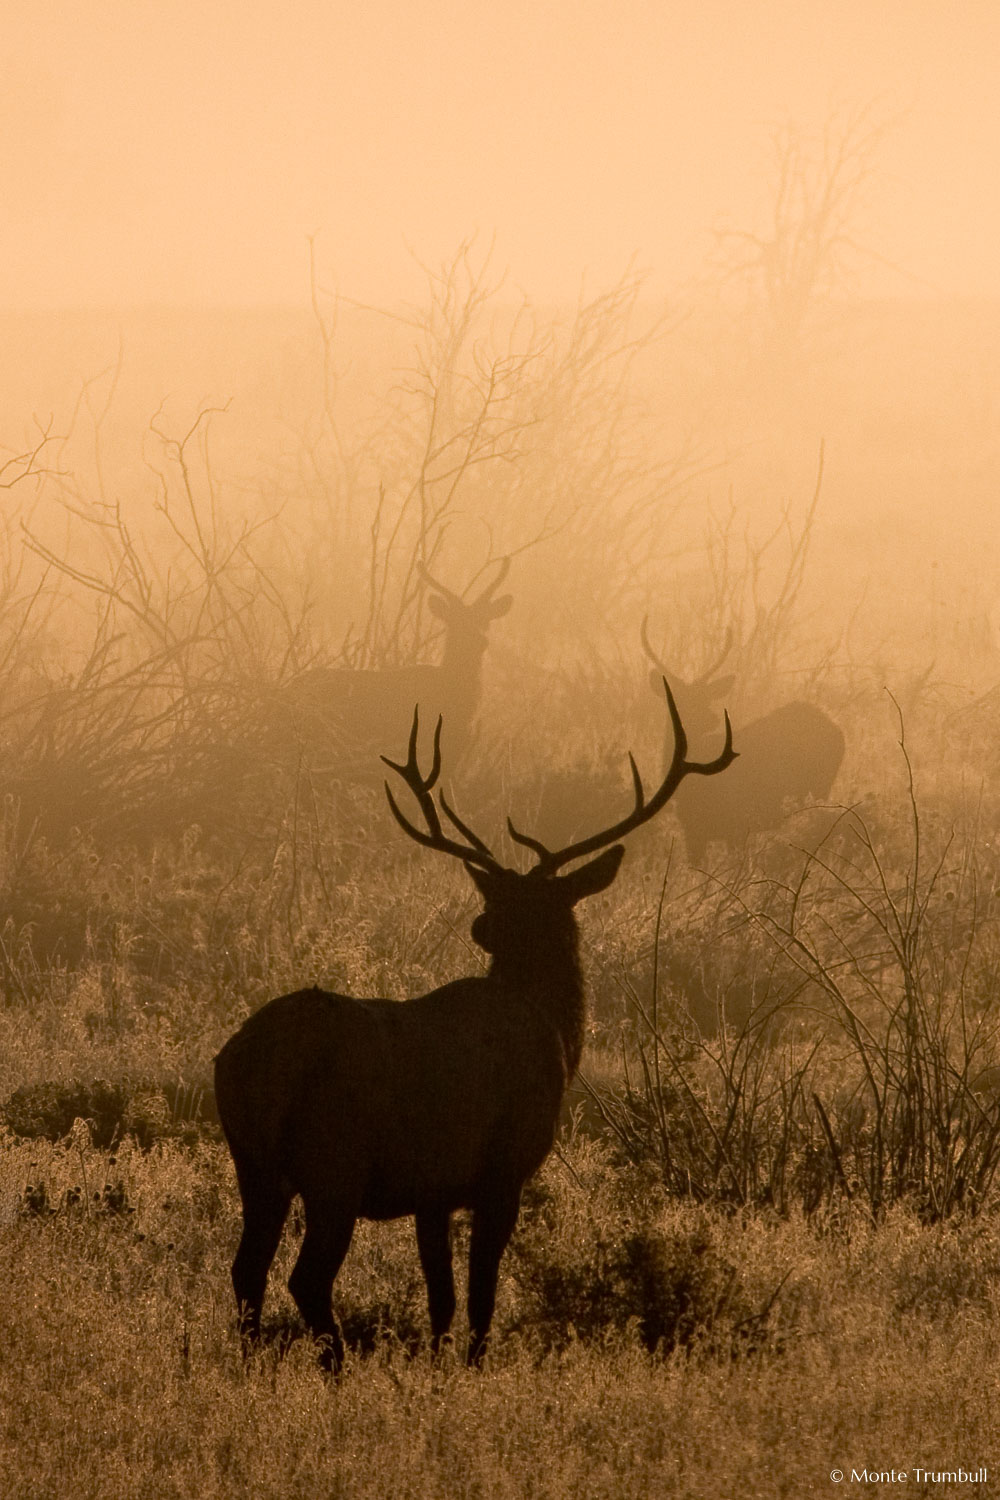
x=801 y=1348
x=707 y=1292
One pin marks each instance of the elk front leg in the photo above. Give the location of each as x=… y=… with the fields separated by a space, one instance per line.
x=434 y=1245
x=492 y=1226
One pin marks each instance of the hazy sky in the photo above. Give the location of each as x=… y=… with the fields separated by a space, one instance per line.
x=183 y=150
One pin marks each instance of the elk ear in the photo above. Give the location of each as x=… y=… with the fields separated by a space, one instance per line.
x=482 y=879
x=438 y=606
x=500 y=606
x=596 y=876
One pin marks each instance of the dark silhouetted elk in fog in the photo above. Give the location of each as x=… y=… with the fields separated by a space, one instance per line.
x=788 y=758
x=379 y=1109
x=342 y=717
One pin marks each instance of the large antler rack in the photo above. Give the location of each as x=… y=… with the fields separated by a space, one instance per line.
x=550 y=860
x=474 y=851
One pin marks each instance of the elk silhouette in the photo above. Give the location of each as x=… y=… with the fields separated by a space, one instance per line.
x=788 y=757
x=380 y=1109
x=344 y=715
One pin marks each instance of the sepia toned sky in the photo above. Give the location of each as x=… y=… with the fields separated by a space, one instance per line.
x=179 y=151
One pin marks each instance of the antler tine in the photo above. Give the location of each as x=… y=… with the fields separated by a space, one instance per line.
x=428 y=577
x=475 y=852
x=642 y=810
x=644 y=637
x=410 y=769
x=466 y=831
x=498 y=580
x=727 y=646
x=535 y=845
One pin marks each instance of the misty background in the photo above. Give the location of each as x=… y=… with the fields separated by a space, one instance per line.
x=691 y=312
x=182 y=154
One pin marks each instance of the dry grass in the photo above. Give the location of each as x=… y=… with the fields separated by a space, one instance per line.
x=121 y=1375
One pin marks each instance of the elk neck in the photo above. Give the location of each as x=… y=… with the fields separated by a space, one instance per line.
x=462 y=661
x=543 y=971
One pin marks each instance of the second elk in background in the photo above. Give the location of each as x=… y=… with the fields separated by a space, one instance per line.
x=339 y=718
x=789 y=759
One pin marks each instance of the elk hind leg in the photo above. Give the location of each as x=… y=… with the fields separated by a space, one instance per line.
x=434 y=1245
x=265 y=1207
x=329 y=1227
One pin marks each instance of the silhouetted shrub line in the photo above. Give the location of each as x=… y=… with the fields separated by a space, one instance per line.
x=148 y=1112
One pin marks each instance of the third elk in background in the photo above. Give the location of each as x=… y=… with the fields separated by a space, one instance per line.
x=789 y=758
x=341 y=717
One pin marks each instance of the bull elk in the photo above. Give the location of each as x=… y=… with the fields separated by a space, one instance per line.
x=788 y=758
x=379 y=1109
x=344 y=715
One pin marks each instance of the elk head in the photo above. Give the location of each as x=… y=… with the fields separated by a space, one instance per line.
x=472 y=617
